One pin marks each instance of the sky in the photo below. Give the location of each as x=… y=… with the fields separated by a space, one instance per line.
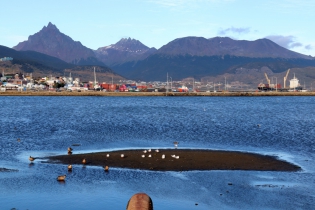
x=99 y=23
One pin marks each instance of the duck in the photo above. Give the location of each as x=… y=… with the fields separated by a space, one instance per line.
x=84 y=161
x=106 y=168
x=69 y=167
x=61 y=177
x=31 y=158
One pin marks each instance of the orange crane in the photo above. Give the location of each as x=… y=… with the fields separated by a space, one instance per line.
x=285 y=78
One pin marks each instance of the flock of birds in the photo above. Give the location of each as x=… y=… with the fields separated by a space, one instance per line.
x=106 y=168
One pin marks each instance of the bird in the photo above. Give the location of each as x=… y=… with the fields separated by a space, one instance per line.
x=31 y=158
x=18 y=139
x=149 y=150
x=173 y=156
x=106 y=168
x=145 y=151
x=69 y=153
x=70 y=149
x=84 y=161
x=69 y=167
x=156 y=150
x=107 y=155
x=175 y=144
x=149 y=156
x=61 y=178
x=163 y=156
x=122 y=155
x=258 y=125
x=177 y=157
x=142 y=156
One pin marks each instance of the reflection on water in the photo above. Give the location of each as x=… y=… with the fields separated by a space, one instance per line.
x=49 y=125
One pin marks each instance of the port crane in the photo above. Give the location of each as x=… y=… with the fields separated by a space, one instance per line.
x=285 y=78
x=268 y=80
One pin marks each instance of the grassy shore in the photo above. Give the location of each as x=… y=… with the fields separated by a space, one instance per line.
x=100 y=93
x=187 y=160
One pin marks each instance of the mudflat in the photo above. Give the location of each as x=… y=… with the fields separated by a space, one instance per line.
x=178 y=160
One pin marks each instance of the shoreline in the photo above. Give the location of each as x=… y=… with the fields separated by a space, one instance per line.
x=100 y=93
x=188 y=160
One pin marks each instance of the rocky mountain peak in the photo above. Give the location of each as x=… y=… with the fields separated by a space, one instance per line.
x=51 y=41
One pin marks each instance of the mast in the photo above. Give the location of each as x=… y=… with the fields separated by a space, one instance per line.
x=94 y=77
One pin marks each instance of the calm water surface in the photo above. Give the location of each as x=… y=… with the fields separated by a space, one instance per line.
x=48 y=125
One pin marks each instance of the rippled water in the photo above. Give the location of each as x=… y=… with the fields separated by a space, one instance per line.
x=48 y=125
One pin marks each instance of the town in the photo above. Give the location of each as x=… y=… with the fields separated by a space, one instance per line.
x=21 y=82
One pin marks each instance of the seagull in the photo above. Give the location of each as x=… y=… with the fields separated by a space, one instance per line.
x=31 y=158
x=61 y=178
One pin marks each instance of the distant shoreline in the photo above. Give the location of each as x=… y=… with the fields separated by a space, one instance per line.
x=188 y=159
x=100 y=93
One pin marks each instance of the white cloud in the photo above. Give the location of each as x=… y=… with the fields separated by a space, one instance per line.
x=184 y=3
x=234 y=30
x=285 y=41
x=309 y=47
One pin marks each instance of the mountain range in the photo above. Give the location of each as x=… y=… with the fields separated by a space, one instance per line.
x=195 y=57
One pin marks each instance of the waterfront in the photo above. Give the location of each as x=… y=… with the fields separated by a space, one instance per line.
x=47 y=125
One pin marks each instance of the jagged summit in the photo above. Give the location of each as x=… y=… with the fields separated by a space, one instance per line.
x=51 y=26
x=52 y=42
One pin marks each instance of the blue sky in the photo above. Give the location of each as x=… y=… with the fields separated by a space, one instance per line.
x=99 y=23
